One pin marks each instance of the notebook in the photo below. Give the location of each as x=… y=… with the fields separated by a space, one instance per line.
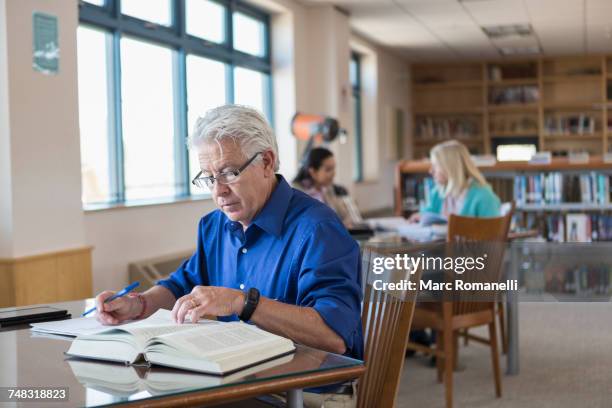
x=210 y=347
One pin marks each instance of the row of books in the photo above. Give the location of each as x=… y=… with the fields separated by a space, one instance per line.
x=447 y=128
x=580 y=280
x=557 y=188
x=557 y=227
x=514 y=94
x=569 y=124
x=416 y=192
x=526 y=123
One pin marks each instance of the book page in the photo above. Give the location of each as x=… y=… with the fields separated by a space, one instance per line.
x=140 y=331
x=211 y=340
x=70 y=327
x=90 y=325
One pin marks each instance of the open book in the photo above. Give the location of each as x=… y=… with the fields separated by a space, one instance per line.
x=212 y=347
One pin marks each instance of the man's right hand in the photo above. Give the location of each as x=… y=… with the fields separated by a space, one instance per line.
x=117 y=311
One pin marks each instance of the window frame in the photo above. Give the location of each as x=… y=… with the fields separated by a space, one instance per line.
x=356 y=88
x=109 y=19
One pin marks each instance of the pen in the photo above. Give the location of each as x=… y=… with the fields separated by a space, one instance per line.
x=123 y=292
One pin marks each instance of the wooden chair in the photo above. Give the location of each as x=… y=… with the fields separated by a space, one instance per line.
x=386 y=319
x=450 y=317
x=505 y=210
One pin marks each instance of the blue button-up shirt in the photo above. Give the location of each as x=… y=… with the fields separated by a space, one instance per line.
x=295 y=251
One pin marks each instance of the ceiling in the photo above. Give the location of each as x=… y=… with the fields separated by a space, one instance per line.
x=424 y=30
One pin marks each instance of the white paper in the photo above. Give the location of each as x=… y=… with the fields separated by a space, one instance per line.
x=89 y=325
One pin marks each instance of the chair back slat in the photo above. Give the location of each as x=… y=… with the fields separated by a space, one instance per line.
x=386 y=319
x=469 y=236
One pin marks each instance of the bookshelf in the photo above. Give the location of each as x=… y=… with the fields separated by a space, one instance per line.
x=563 y=104
x=548 y=196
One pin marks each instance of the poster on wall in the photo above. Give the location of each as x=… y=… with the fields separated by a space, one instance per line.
x=45 y=43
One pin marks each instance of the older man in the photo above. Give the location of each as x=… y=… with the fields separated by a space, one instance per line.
x=270 y=254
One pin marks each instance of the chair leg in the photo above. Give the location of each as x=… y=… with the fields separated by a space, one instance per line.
x=495 y=358
x=502 y=327
x=465 y=337
x=439 y=360
x=455 y=349
x=448 y=366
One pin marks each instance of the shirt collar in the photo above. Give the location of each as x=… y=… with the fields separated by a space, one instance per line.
x=272 y=216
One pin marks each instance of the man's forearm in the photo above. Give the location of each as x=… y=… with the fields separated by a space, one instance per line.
x=301 y=324
x=158 y=297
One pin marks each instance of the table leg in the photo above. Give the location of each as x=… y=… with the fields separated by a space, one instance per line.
x=512 y=316
x=295 y=398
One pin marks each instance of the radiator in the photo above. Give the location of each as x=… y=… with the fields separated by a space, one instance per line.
x=149 y=271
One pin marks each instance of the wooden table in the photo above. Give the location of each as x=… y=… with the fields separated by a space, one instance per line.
x=30 y=359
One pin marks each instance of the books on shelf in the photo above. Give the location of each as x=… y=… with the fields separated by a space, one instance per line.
x=559 y=188
x=584 y=280
x=435 y=128
x=520 y=94
x=214 y=347
x=572 y=227
x=578 y=228
x=575 y=124
x=417 y=191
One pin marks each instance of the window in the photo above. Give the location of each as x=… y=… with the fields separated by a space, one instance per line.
x=355 y=78
x=205 y=90
x=147 y=70
x=249 y=35
x=205 y=19
x=154 y=11
x=93 y=113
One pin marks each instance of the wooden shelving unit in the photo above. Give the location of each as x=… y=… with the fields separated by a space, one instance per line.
x=538 y=98
x=410 y=185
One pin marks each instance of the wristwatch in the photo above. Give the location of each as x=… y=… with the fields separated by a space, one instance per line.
x=251 y=301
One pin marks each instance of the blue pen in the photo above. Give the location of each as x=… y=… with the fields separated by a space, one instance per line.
x=123 y=292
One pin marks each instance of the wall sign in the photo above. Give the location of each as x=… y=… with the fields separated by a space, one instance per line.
x=45 y=56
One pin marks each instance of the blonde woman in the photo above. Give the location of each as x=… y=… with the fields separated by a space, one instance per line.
x=460 y=187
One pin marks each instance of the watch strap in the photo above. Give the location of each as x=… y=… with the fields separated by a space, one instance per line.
x=251 y=300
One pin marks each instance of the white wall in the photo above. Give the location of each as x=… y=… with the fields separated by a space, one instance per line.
x=45 y=160
x=392 y=90
x=126 y=235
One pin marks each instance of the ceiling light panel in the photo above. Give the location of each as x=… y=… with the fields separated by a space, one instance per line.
x=508 y=30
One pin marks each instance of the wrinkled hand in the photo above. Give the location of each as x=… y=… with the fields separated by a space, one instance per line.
x=117 y=311
x=208 y=300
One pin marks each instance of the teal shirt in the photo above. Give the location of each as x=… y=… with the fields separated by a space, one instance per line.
x=480 y=201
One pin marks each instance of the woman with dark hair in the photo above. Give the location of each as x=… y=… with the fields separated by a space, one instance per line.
x=316 y=178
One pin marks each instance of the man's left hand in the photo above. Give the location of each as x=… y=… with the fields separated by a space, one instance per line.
x=208 y=300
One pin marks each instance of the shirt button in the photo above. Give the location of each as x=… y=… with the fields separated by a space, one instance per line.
x=242 y=286
x=244 y=250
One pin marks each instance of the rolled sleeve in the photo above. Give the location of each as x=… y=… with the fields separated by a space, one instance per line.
x=330 y=282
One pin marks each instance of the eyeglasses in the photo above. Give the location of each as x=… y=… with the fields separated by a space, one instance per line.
x=227 y=177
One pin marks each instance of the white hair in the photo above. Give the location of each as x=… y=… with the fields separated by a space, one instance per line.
x=245 y=126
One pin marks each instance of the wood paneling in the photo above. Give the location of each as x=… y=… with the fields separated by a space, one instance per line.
x=51 y=277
